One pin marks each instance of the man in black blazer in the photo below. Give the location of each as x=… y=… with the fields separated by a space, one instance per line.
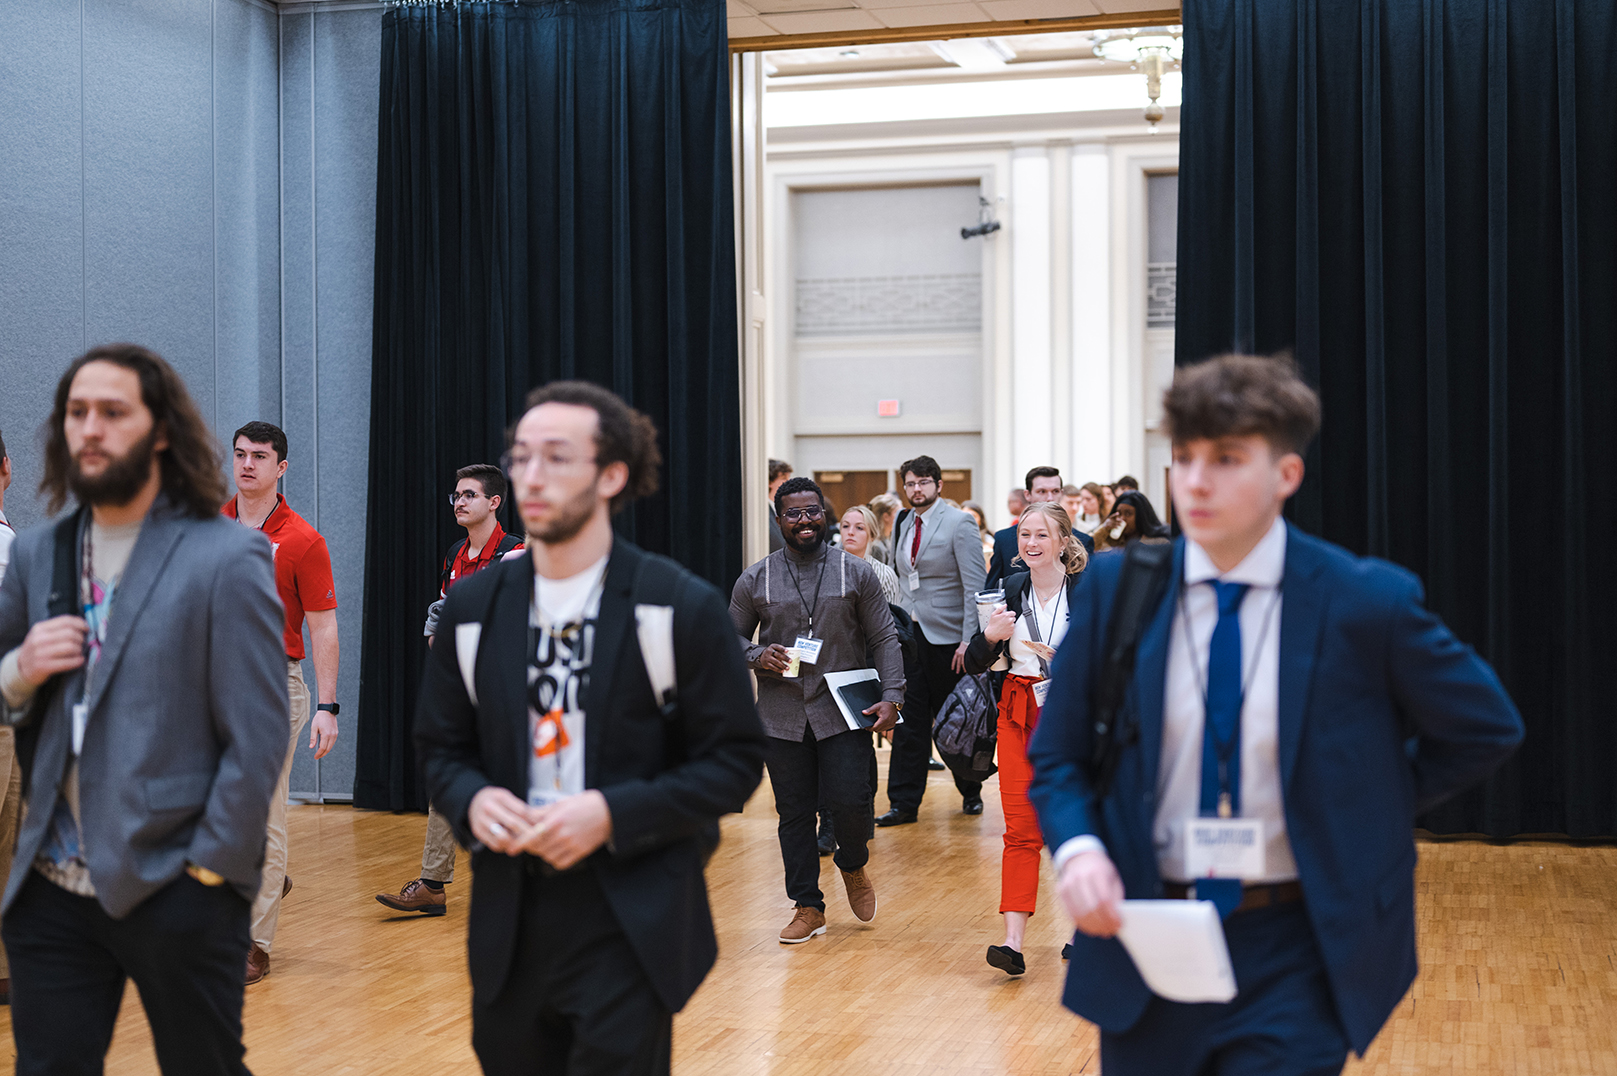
x=1043 y=485
x=589 y=802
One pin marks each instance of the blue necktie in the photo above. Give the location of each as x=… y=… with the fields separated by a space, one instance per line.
x=1223 y=727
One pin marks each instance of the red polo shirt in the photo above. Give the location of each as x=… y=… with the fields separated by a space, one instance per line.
x=462 y=565
x=302 y=569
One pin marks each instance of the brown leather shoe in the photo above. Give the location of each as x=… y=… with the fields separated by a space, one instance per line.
x=861 y=894
x=257 y=964
x=806 y=922
x=286 y=885
x=416 y=896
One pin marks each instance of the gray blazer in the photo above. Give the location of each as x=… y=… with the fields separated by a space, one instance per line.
x=188 y=714
x=951 y=571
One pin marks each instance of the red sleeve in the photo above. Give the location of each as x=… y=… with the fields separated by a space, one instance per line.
x=315 y=587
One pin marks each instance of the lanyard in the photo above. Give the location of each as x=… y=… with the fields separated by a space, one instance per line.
x=1033 y=627
x=820 y=583
x=1225 y=749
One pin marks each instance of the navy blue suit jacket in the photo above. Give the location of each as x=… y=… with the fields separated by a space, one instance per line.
x=999 y=568
x=1383 y=713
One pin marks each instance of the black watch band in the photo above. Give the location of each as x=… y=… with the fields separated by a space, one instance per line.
x=331 y=708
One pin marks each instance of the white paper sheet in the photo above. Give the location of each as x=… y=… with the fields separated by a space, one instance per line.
x=1178 y=946
x=853 y=676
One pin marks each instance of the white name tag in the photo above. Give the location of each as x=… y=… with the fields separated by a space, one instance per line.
x=808 y=649
x=81 y=718
x=1041 y=691
x=913 y=582
x=1225 y=848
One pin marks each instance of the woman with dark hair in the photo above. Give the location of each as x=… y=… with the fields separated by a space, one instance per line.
x=1016 y=647
x=1132 y=519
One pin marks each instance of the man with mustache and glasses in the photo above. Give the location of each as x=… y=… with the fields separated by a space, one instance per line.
x=817 y=610
x=586 y=782
x=141 y=637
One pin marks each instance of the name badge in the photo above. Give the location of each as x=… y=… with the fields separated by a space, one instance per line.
x=914 y=581
x=1041 y=691
x=81 y=718
x=1225 y=848
x=808 y=649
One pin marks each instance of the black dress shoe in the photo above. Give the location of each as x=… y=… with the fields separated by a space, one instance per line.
x=934 y=764
x=973 y=805
x=1007 y=960
x=1066 y=951
x=895 y=817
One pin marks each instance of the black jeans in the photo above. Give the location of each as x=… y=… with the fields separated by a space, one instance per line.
x=185 y=947
x=577 y=1001
x=800 y=771
x=912 y=740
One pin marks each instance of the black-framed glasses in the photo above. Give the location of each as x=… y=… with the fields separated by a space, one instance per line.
x=796 y=515
x=467 y=495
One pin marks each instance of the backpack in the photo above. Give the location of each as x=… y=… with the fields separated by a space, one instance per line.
x=967 y=729
x=904 y=625
x=507 y=543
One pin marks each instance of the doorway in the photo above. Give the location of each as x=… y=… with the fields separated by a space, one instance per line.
x=844 y=489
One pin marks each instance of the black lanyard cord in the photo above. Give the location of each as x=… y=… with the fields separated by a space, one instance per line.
x=810 y=609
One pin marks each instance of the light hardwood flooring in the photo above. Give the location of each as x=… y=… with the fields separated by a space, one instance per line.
x=1518 y=946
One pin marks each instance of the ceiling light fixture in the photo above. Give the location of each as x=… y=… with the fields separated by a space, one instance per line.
x=1154 y=50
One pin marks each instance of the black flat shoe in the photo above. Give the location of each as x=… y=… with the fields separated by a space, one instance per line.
x=1066 y=951
x=1007 y=960
x=934 y=764
x=972 y=805
x=895 y=817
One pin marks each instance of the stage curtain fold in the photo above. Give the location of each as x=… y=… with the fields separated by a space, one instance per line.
x=553 y=201
x=1418 y=198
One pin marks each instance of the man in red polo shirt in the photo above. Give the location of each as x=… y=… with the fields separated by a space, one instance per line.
x=479 y=492
x=303 y=578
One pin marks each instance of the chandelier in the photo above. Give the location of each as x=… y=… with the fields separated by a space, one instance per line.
x=1154 y=50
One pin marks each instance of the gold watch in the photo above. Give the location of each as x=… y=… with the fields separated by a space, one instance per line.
x=204 y=875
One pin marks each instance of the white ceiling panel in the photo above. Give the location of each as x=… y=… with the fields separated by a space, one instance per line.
x=783 y=7
x=933 y=15
x=735 y=9
x=822 y=22
x=749 y=26
x=1039 y=9
x=1117 y=7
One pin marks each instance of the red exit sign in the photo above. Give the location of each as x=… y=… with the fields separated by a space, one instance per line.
x=886 y=408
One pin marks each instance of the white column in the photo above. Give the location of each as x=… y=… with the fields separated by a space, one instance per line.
x=1032 y=417
x=1091 y=434
x=747 y=147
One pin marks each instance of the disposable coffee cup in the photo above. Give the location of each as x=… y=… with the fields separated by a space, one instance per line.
x=794 y=663
x=987 y=600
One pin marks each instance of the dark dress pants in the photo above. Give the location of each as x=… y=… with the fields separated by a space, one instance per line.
x=912 y=740
x=803 y=773
x=185 y=947
x=1282 y=1023
x=577 y=1002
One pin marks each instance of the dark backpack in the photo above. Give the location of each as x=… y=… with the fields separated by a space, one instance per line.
x=966 y=729
x=508 y=543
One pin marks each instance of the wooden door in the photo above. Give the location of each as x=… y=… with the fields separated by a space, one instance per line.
x=957 y=484
x=844 y=489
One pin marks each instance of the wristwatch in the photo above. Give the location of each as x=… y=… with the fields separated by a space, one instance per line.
x=204 y=875
x=329 y=707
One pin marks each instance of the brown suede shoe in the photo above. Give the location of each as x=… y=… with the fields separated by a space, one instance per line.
x=416 y=896
x=861 y=894
x=257 y=964
x=806 y=922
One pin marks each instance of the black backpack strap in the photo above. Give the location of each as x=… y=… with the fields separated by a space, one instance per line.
x=1139 y=590
x=449 y=564
x=898 y=524
x=63 y=601
x=508 y=543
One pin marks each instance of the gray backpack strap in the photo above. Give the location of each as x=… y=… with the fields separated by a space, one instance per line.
x=654 y=628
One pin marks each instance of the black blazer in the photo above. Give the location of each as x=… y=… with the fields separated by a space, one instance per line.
x=982 y=654
x=665 y=780
x=1005 y=552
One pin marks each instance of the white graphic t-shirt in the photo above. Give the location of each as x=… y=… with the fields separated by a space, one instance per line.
x=562 y=622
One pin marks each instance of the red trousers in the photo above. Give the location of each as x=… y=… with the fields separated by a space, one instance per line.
x=1019 y=869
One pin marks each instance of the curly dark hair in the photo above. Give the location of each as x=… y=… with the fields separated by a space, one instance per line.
x=800 y=484
x=1237 y=395
x=622 y=434
x=192 y=466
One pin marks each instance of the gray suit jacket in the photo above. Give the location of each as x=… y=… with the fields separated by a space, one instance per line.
x=951 y=572
x=187 y=730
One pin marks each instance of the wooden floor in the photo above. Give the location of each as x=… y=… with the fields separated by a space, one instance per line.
x=1518 y=946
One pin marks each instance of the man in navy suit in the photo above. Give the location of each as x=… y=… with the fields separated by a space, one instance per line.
x=1043 y=485
x=1281 y=684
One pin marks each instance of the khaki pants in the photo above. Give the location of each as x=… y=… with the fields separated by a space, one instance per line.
x=10 y=814
x=438 y=850
x=267 y=908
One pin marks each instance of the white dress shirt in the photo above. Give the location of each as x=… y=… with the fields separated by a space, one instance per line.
x=1052 y=618
x=1184 y=709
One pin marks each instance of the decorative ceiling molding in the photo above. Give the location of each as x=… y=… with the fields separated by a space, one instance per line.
x=889 y=34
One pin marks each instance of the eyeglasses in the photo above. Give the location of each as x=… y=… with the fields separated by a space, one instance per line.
x=550 y=461
x=467 y=495
x=796 y=515
x=918 y=483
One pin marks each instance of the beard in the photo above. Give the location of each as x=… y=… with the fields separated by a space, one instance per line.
x=121 y=480
x=571 y=516
x=800 y=546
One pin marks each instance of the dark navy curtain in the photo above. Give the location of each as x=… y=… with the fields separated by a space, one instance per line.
x=1419 y=199
x=553 y=201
